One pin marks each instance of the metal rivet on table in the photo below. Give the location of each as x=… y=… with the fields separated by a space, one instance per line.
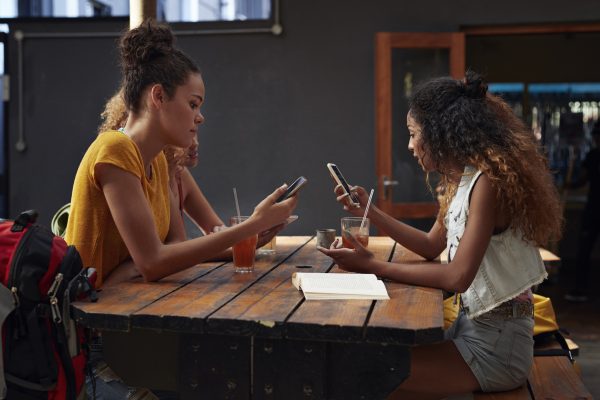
x=268 y=389
x=231 y=385
x=268 y=349
x=307 y=390
x=308 y=349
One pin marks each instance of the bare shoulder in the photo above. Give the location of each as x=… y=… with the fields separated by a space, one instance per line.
x=484 y=199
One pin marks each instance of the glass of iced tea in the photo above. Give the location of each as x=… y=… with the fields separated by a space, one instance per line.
x=269 y=248
x=352 y=226
x=244 y=250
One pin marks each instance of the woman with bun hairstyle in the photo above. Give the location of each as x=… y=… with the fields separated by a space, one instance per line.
x=188 y=195
x=498 y=204
x=124 y=220
x=122 y=213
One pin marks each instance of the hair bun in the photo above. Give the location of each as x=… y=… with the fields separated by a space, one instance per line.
x=149 y=41
x=474 y=85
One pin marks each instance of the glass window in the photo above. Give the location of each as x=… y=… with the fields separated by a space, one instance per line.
x=562 y=116
x=167 y=10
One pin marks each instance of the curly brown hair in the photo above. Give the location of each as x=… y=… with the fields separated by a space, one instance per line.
x=149 y=56
x=115 y=113
x=462 y=123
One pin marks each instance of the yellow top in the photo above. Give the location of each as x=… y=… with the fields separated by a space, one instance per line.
x=91 y=227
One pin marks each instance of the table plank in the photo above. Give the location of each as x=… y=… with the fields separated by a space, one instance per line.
x=116 y=303
x=263 y=308
x=336 y=320
x=187 y=309
x=413 y=315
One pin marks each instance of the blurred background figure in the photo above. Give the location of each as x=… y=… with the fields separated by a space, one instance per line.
x=590 y=221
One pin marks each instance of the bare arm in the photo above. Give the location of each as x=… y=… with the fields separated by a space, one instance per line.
x=455 y=276
x=426 y=244
x=176 y=227
x=154 y=260
x=196 y=205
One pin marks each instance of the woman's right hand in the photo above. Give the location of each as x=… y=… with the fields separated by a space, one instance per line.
x=270 y=214
x=343 y=198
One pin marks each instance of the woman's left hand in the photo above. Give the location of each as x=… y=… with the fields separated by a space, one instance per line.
x=354 y=260
x=265 y=237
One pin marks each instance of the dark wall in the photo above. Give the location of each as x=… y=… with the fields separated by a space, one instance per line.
x=276 y=107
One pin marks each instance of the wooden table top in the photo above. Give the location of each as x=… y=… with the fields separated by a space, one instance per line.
x=211 y=298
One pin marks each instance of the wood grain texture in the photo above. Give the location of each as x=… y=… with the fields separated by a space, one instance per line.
x=521 y=393
x=117 y=303
x=555 y=378
x=336 y=320
x=187 y=309
x=263 y=308
x=413 y=315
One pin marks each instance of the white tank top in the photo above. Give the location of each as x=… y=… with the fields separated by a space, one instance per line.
x=511 y=265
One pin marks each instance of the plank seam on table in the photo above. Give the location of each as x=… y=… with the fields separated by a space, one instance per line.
x=200 y=323
x=253 y=324
x=360 y=336
x=368 y=319
x=260 y=278
x=177 y=288
x=83 y=317
x=285 y=321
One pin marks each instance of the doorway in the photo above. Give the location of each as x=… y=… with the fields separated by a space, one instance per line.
x=528 y=58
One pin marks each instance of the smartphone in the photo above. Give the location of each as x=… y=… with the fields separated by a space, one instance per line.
x=292 y=189
x=340 y=180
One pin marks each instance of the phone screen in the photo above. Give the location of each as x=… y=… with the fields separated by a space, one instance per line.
x=343 y=182
x=292 y=189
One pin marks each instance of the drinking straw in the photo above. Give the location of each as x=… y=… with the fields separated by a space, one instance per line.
x=362 y=223
x=237 y=205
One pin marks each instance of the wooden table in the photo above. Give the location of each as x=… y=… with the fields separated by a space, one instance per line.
x=254 y=336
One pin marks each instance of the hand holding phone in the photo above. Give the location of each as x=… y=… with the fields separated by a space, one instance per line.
x=292 y=189
x=340 y=180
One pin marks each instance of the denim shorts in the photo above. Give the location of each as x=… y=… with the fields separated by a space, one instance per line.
x=498 y=350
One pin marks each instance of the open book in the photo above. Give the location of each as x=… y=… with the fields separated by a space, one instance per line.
x=320 y=286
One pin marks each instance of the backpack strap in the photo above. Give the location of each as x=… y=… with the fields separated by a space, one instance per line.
x=47 y=370
x=24 y=219
x=7 y=305
x=42 y=357
x=560 y=339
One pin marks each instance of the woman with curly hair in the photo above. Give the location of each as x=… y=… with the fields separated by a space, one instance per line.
x=499 y=203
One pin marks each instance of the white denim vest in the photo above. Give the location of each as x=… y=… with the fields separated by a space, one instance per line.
x=510 y=265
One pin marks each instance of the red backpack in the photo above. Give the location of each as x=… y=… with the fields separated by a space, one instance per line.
x=43 y=353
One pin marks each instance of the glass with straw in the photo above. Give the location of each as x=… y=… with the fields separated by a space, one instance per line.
x=244 y=251
x=357 y=227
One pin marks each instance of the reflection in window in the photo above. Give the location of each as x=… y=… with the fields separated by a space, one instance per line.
x=562 y=116
x=168 y=10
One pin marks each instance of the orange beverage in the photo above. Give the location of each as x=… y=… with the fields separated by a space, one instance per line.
x=362 y=239
x=244 y=250
x=243 y=254
x=356 y=227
